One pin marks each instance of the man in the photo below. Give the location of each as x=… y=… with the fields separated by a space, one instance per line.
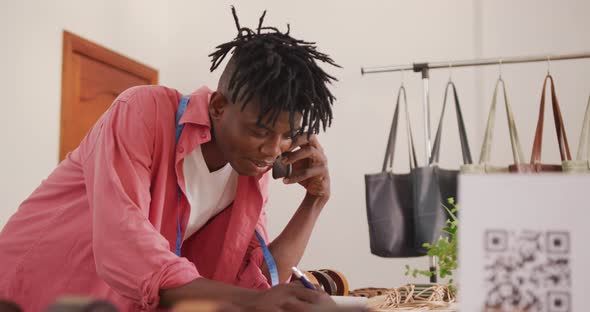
x=141 y=218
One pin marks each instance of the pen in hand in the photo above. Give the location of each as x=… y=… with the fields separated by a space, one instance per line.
x=306 y=282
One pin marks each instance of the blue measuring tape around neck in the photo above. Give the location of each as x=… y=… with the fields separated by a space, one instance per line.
x=270 y=261
x=268 y=258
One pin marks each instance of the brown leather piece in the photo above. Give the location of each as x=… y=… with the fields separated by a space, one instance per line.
x=313 y=280
x=534 y=168
x=326 y=281
x=564 y=150
x=340 y=280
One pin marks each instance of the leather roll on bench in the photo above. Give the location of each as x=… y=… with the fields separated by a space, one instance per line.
x=326 y=282
x=312 y=278
x=331 y=281
x=340 y=280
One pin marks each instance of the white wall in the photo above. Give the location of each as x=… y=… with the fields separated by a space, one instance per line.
x=176 y=38
x=536 y=27
x=30 y=84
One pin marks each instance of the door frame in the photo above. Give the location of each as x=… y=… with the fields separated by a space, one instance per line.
x=70 y=83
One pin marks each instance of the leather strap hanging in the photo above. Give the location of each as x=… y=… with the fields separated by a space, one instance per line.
x=564 y=150
x=582 y=162
x=466 y=152
x=484 y=165
x=390 y=149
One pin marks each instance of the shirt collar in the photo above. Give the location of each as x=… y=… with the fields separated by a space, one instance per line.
x=197 y=111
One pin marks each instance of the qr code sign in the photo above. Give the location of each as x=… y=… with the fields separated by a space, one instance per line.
x=528 y=270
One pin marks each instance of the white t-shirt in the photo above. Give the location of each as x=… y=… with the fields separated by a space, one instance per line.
x=208 y=193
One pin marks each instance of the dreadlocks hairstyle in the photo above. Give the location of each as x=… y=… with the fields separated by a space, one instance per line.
x=281 y=73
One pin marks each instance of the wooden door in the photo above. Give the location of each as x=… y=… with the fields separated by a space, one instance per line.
x=92 y=77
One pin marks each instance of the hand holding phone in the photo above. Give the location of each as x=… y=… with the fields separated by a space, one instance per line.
x=305 y=163
x=280 y=170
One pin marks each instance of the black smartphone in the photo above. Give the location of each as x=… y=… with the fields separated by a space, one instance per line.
x=280 y=170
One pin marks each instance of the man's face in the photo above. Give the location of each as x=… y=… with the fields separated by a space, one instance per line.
x=249 y=148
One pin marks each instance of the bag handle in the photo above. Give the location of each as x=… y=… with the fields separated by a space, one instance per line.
x=564 y=149
x=390 y=149
x=434 y=157
x=584 y=144
x=486 y=147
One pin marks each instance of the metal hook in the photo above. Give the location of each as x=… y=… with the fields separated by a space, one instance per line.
x=403 y=78
x=500 y=68
x=450 y=72
x=548 y=65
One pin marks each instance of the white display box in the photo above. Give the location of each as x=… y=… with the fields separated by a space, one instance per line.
x=524 y=242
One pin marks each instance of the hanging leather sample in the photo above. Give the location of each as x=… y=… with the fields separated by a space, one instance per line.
x=535 y=165
x=434 y=185
x=582 y=162
x=484 y=165
x=390 y=200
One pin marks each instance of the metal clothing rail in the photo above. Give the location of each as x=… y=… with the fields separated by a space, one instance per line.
x=477 y=62
x=424 y=69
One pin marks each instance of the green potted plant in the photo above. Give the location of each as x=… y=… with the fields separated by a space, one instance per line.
x=445 y=249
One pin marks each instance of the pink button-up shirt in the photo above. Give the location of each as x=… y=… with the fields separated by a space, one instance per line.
x=104 y=223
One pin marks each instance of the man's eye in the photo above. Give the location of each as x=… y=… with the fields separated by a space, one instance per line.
x=260 y=134
x=296 y=134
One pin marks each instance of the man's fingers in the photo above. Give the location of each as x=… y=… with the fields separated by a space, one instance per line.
x=304 y=152
x=302 y=140
x=305 y=174
x=307 y=295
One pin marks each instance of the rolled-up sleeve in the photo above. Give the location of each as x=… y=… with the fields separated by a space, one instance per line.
x=131 y=256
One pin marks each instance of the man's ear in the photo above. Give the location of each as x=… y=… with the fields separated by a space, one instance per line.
x=217 y=105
